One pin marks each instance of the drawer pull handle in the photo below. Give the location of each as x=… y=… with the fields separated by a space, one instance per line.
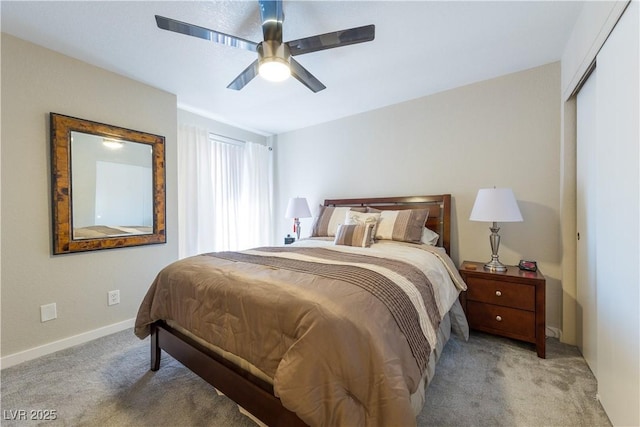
x=499 y=318
x=498 y=293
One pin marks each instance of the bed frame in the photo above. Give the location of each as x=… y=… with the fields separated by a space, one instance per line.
x=252 y=393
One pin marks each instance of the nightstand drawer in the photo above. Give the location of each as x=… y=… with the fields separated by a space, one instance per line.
x=502 y=293
x=492 y=318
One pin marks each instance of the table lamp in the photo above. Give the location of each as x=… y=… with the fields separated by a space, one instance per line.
x=296 y=209
x=495 y=205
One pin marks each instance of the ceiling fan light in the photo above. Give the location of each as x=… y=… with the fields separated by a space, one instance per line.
x=273 y=58
x=274 y=70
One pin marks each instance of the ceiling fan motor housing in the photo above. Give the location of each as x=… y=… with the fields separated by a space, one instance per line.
x=271 y=50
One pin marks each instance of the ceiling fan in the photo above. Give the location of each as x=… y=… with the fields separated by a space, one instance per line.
x=275 y=59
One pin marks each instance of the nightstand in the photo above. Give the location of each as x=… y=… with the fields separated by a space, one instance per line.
x=510 y=303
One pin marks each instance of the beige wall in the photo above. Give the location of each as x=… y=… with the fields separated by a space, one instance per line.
x=503 y=132
x=35 y=82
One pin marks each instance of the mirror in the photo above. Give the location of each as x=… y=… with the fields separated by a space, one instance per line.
x=108 y=186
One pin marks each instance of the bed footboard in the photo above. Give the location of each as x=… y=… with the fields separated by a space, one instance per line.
x=252 y=393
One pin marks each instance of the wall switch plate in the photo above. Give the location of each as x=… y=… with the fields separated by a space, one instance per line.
x=48 y=312
x=114 y=297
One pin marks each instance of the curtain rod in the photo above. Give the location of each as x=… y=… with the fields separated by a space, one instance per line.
x=227 y=139
x=230 y=140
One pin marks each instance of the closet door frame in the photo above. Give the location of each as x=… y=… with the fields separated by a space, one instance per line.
x=586 y=201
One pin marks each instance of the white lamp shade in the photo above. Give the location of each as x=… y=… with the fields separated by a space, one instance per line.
x=495 y=205
x=298 y=208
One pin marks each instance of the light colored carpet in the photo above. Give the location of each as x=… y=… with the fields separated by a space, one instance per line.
x=487 y=381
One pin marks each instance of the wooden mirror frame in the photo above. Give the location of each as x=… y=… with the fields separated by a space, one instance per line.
x=62 y=193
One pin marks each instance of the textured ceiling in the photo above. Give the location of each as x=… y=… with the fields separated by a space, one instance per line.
x=420 y=48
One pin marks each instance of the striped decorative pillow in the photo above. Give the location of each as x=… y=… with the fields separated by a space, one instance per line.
x=328 y=220
x=404 y=226
x=354 y=235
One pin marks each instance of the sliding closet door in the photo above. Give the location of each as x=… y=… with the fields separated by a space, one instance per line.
x=585 y=222
x=618 y=221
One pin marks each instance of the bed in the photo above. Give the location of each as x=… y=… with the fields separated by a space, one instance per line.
x=322 y=332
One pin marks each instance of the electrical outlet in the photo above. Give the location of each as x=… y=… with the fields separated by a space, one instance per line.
x=48 y=312
x=114 y=297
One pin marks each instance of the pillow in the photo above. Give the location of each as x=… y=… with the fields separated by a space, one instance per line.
x=354 y=235
x=429 y=237
x=354 y=217
x=403 y=226
x=328 y=219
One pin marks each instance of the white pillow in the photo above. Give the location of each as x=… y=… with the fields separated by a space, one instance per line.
x=362 y=218
x=429 y=237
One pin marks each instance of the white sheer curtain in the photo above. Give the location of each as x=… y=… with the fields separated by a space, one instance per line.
x=224 y=193
x=256 y=201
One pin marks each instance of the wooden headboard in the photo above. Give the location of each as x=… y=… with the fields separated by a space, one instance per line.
x=439 y=219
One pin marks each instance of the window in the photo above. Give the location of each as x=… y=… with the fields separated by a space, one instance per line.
x=224 y=192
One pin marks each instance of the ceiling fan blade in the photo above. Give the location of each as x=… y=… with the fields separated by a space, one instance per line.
x=204 y=33
x=245 y=77
x=331 y=40
x=272 y=16
x=305 y=77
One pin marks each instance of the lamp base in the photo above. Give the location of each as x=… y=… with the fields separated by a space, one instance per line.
x=296 y=227
x=494 y=239
x=495 y=265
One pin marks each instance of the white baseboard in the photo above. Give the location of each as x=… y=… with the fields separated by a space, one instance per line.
x=553 y=332
x=43 y=350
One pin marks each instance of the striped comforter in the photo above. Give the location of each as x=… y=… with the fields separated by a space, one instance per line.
x=344 y=333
